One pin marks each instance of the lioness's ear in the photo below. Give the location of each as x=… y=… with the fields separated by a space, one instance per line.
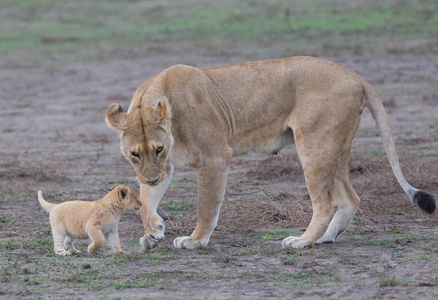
x=162 y=110
x=123 y=193
x=116 y=118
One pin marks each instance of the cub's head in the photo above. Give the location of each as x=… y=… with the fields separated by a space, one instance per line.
x=145 y=138
x=125 y=198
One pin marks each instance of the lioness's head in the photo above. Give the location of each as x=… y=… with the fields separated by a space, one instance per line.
x=145 y=138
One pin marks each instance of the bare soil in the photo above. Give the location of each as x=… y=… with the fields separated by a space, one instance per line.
x=53 y=137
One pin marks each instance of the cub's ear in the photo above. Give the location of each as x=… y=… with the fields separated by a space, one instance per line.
x=123 y=193
x=116 y=118
x=163 y=110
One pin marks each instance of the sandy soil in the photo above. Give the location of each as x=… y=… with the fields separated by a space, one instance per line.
x=53 y=137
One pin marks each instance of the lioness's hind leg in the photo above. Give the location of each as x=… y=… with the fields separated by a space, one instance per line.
x=320 y=150
x=345 y=197
x=347 y=202
x=319 y=176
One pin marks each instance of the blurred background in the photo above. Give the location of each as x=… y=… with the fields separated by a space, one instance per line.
x=83 y=30
x=64 y=62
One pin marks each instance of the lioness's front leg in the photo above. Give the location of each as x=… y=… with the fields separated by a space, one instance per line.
x=153 y=224
x=211 y=188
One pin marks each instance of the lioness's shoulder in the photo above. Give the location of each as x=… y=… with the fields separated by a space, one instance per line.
x=180 y=70
x=181 y=77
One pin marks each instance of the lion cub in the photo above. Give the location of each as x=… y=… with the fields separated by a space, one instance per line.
x=97 y=220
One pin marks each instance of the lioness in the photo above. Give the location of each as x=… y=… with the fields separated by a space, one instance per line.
x=202 y=117
x=97 y=220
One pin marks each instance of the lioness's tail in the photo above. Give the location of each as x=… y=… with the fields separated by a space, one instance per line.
x=424 y=200
x=44 y=204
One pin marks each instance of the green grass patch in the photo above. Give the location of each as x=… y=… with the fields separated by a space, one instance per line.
x=271 y=234
x=36 y=242
x=7 y=219
x=98 y=173
x=387 y=241
x=164 y=254
x=428 y=153
x=254 y=251
x=260 y=182
x=177 y=206
x=394 y=281
x=394 y=229
x=396 y=212
x=288 y=259
x=95 y=27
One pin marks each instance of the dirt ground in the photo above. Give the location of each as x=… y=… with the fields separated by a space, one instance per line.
x=53 y=137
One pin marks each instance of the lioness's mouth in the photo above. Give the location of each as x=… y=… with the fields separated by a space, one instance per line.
x=154 y=182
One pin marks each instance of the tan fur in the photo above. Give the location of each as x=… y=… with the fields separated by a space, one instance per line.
x=201 y=118
x=98 y=220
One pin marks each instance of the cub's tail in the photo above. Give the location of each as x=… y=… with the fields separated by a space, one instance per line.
x=424 y=200
x=44 y=204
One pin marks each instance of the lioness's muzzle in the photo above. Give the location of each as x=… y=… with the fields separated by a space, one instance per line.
x=152 y=182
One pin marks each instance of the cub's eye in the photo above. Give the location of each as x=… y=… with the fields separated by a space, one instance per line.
x=135 y=154
x=159 y=150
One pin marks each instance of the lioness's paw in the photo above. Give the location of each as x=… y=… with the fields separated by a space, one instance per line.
x=295 y=242
x=149 y=241
x=186 y=242
x=326 y=239
x=63 y=253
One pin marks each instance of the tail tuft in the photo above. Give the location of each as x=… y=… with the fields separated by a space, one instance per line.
x=425 y=201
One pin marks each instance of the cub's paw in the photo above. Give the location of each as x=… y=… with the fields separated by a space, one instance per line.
x=93 y=248
x=149 y=241
x=296 y=242
x=63 y=253
x=186 y=242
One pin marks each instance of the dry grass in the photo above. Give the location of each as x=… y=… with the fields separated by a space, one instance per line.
x=239 y=217
x=279 y=167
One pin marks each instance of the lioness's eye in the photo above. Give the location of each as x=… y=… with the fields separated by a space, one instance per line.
x=159 y=150
x=135 y=154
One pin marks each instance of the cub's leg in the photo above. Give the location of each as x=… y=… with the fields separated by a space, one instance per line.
x=59 y=234
x=68 y=244
x=153 y=224
x=211 y=188
x=96 y=236
x=58 y=240
x=346 y=198
x=112 y=238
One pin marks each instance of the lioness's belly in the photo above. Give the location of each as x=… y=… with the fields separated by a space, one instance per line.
x=258 y=148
